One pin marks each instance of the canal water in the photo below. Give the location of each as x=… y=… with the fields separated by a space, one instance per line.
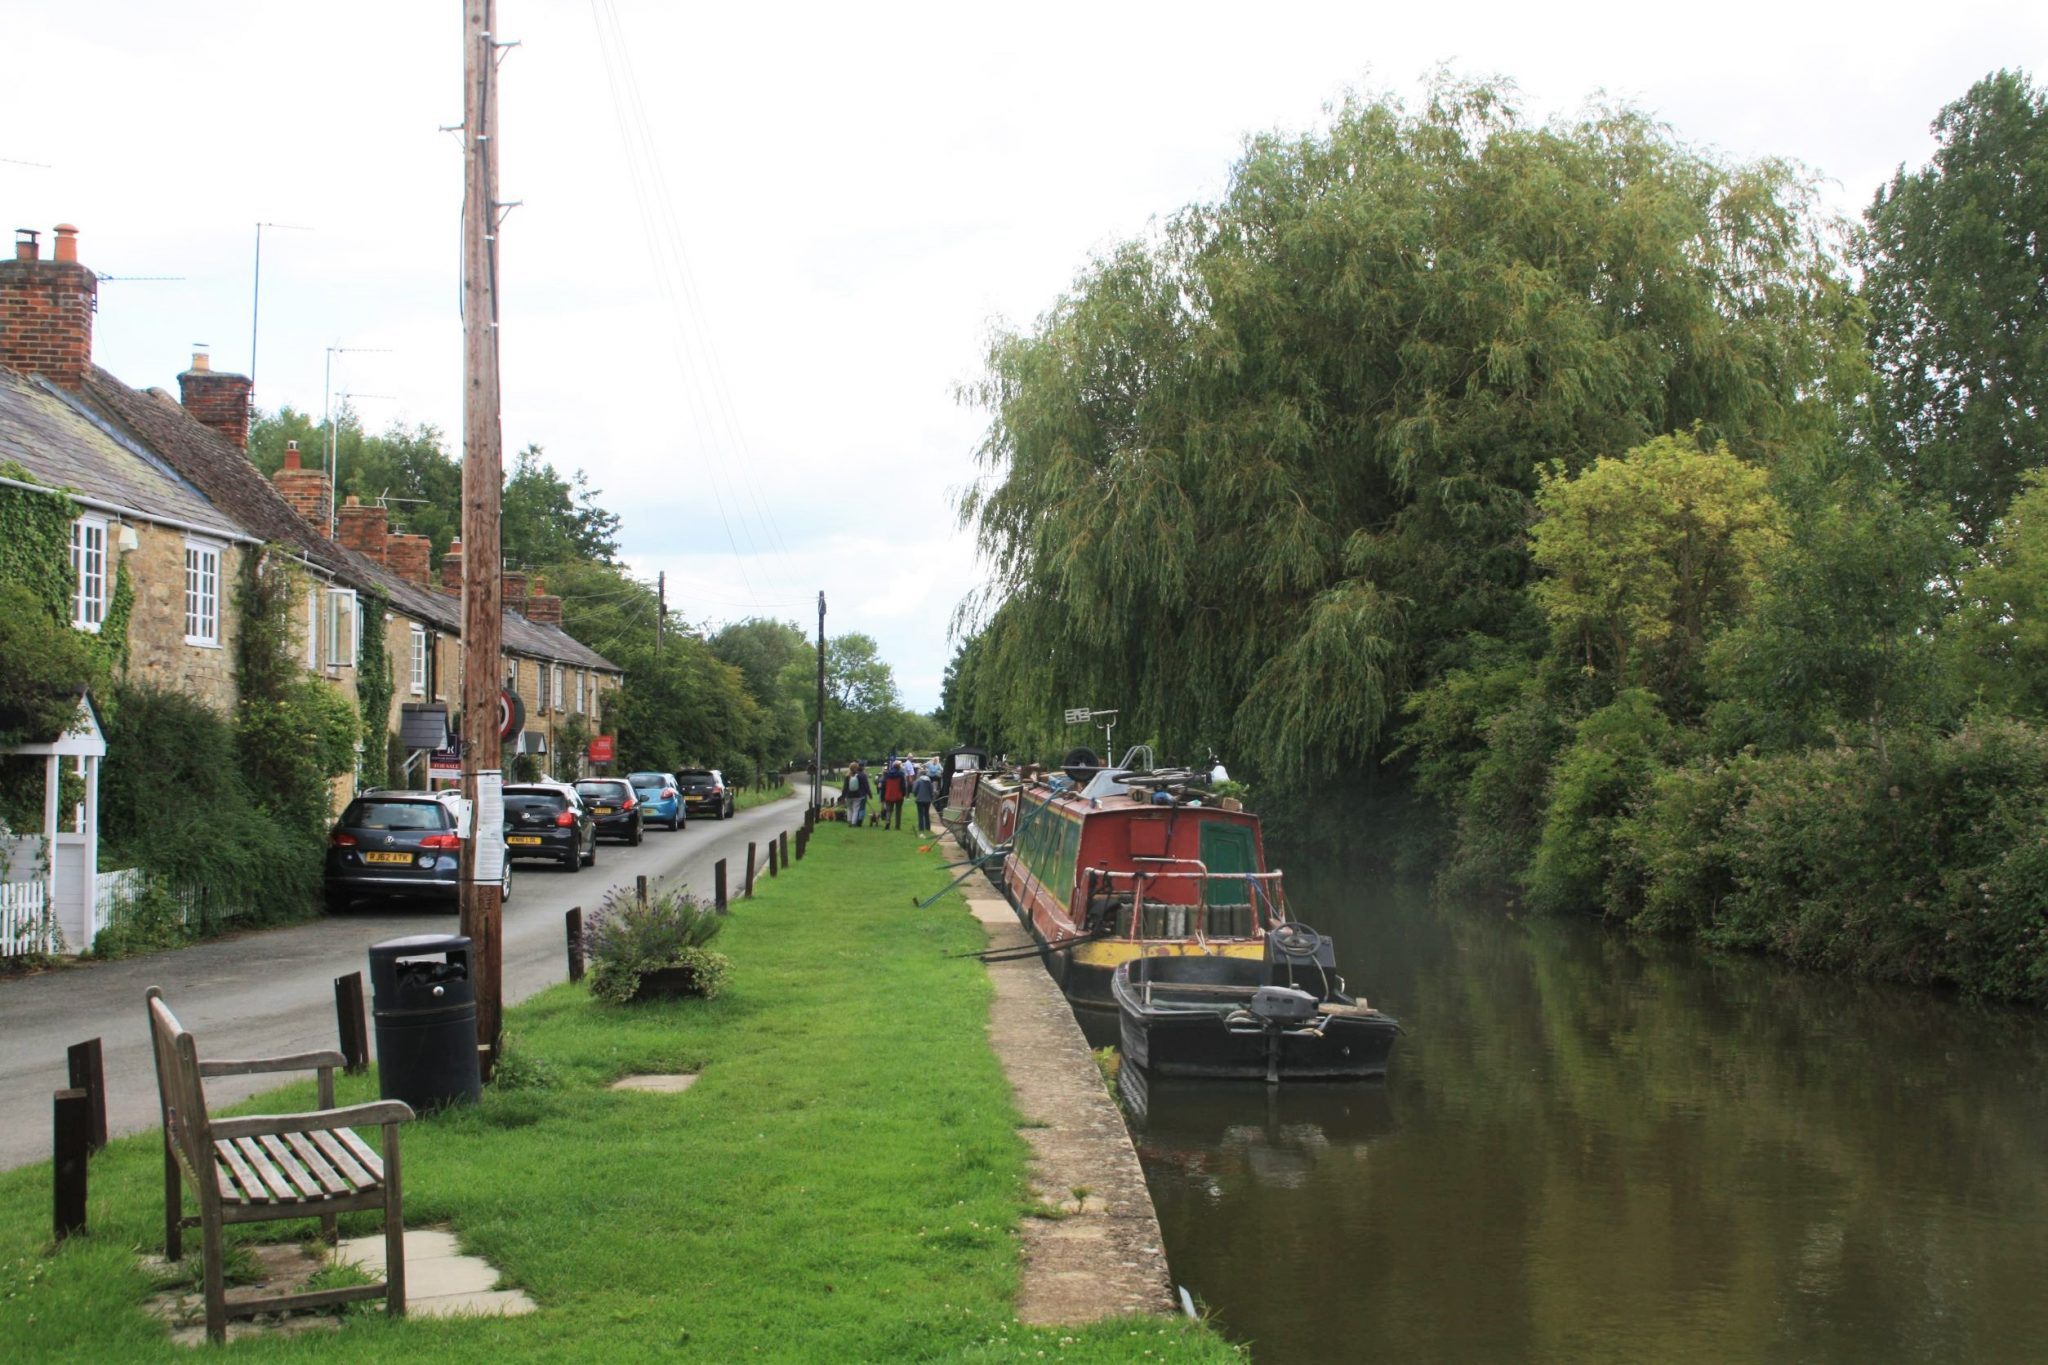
x=1594 y=1148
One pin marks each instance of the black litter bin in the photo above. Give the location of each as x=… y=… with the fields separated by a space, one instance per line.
x=425 y=1004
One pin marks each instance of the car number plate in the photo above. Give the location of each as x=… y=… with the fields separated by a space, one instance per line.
x=522 y=839
x=387 y=857
x=600 y=810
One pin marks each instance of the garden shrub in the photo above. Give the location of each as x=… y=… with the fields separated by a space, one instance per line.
x=628 y=937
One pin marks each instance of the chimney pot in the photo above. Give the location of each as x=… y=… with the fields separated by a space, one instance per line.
x=201 y=364
x=25 y=248
x=46 y=309
x=67 y=243
x=291 y=454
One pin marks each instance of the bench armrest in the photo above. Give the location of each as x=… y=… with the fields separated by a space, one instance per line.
x=298 y=1061
x=349 y=1116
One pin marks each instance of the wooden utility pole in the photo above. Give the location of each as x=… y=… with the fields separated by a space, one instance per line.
x=483 y=854
x=818 y=747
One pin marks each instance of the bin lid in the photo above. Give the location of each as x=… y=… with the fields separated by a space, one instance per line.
x=419 y=943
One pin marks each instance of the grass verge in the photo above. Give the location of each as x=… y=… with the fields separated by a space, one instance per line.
x=750 y=797
x=843 y=1183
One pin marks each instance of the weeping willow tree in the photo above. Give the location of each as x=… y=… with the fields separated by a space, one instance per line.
x=1256 y=476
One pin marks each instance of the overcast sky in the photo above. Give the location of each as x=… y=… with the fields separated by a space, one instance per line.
x=742 y=302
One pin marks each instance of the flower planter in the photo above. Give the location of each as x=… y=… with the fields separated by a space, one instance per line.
x=667 y=983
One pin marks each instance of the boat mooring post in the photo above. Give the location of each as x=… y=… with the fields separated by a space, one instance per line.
x=718 y=886
x=750 y=869
x=572 y=928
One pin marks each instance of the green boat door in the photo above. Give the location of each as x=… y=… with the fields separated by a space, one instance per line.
x=1226 y=848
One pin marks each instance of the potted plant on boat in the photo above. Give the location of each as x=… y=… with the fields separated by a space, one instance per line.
x=653 y=947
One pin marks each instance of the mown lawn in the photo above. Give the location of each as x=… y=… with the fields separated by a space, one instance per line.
x=843 y=1182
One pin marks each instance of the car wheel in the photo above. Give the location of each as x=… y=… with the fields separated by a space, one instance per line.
x=337 y=902
x=675 y=822
x=591 y=860
x=638 y=830
x=574 y=859
x=505 y=887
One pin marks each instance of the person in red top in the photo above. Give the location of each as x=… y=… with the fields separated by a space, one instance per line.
x=892 y=796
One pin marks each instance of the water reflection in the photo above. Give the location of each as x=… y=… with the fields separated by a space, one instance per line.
x=1594 y=1148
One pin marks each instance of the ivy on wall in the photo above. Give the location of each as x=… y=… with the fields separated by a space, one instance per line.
x=374 y=686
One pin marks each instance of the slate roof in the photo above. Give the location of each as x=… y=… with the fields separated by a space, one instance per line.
x=60 y=443
x=222 y=471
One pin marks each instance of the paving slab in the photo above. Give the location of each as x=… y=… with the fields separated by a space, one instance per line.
x=673 y=1084
x=440 y=1280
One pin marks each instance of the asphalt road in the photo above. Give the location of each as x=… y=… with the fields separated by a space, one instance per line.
x=271 y=992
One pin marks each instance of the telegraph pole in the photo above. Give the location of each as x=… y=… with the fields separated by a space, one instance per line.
x=483 y=855
x=660 y=607
x=818 y=750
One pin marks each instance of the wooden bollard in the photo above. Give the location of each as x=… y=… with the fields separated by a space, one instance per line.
x=802 y=837
x=718 y=886
x=352 y=1023
x=771 y=857
x=572 y=926
x=640 y=890
x=750 y=869
x=783 y=839
x=89 y=1073
x=70 y=1133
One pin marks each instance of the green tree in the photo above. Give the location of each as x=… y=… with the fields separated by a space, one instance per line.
x=1259 y=475
x=779 y=665
x=1646 y=557
x=1955 y=276
x=1998 y=641
x=550 y=520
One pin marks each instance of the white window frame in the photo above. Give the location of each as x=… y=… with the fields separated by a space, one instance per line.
x=419 y=661
x=579 y=692
x=561 y=689
x=512 y=676
x=92 y=578
x=541 y=693
x=313 y=629
x=343 y=615
x=202 y=592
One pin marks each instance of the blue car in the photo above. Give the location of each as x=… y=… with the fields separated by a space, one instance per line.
x=661 y=800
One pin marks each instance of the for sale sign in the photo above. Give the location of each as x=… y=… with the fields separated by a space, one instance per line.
x=601 y=749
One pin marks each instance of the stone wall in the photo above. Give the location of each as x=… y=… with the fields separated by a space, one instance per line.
x=157 y=652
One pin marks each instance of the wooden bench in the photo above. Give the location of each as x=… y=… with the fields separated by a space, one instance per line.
x=271 y=1166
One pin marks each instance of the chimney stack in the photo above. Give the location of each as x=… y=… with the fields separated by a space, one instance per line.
x=410 y=557
x=362 y=529
x=305 y=489
x=46 y=310
x=512 y=588
x=213 y=399
x=542 y=609
x=451 y=568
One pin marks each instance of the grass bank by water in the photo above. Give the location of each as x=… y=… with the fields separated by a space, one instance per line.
x=843 y=1183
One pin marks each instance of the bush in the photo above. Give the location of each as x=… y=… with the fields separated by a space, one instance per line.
x=147 y=923
x=1612 y=757
x=628 y=937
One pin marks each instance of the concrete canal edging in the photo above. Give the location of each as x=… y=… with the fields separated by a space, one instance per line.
x=1104 y=1257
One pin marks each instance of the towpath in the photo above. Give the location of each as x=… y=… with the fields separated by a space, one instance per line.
x=1104 y=1257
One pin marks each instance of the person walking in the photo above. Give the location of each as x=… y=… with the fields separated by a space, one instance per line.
x=855 y=793
x=892 y=795
x=922 y=790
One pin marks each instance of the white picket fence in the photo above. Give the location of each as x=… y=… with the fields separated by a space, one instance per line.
x=26 y=928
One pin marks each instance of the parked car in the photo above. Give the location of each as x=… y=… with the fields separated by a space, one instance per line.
x=661 y=801
x=617 y=810
x=398 y=844
x=549 y=821
x=706 y=789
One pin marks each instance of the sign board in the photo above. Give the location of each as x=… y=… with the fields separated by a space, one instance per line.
x=601 y=749
x=446 y=762
x=1078 y=715
x=511 y=713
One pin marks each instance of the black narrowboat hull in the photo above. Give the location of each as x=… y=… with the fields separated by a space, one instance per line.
x=1220 y=1038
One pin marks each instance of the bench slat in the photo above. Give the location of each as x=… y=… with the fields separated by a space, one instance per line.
x=344 y=1164
x=316 y=1162
x=243 y=1186
x=361 y=1151
x=260 y=1160
x=281 y=1156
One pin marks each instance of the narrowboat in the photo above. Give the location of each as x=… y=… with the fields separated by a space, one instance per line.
x=1287 y=1018
x=1110 y=864
x=990 y=812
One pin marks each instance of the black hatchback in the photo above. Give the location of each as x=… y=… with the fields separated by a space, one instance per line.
x=617 y=809
x=705 y=789
x=549 y=822
x=395 y=844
